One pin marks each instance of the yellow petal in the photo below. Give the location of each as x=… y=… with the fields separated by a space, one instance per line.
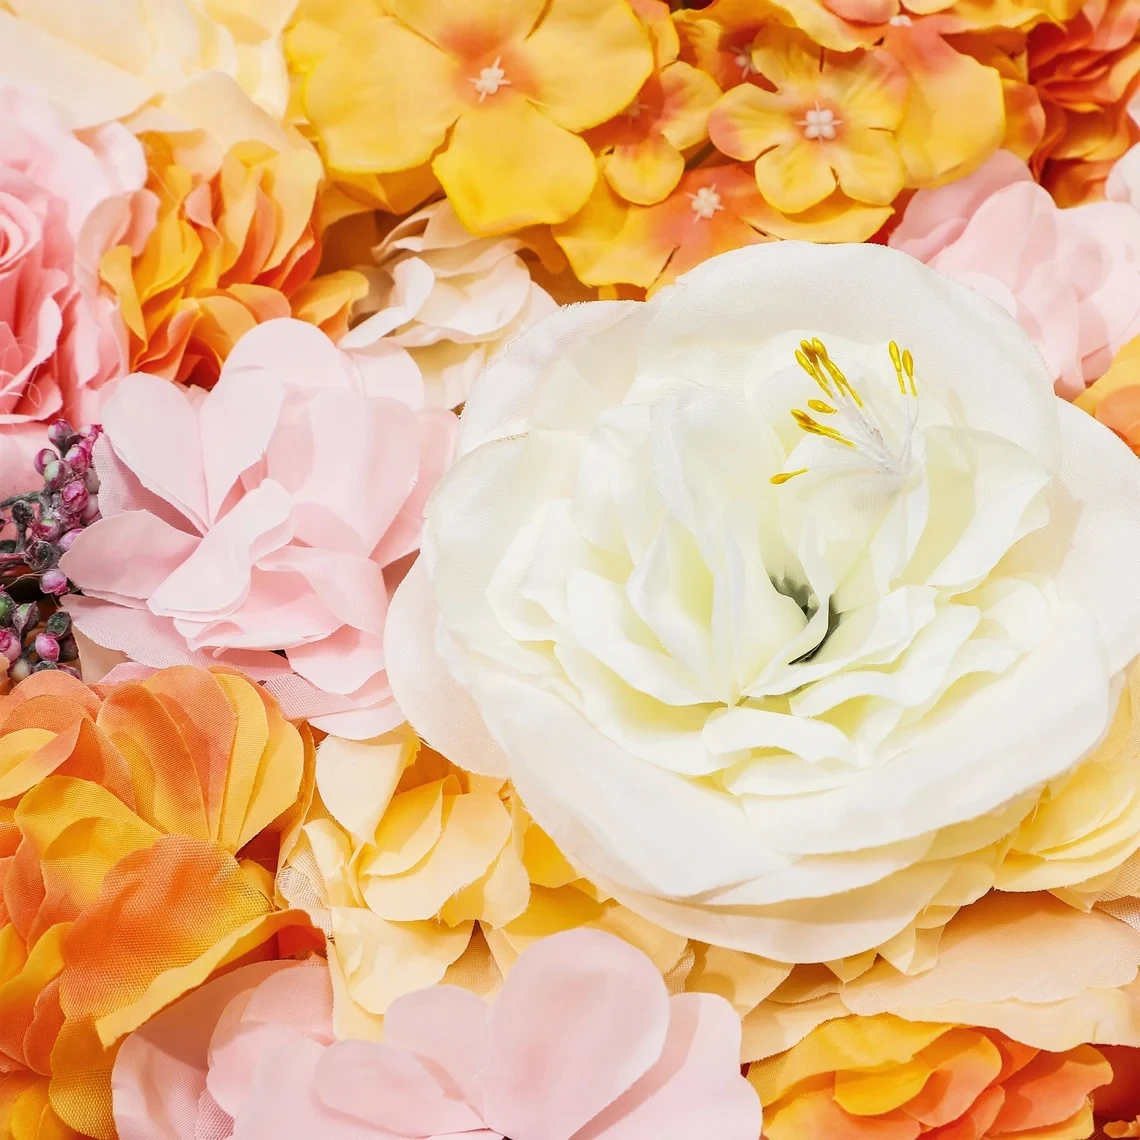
x=250 y=739
x=589 y=59
x=644 y=172
x=835 y=219
x=748 y=120
x=690 y=95
x=795 y=175
x=868 y=166
x=496 y=168
x=357 y=778
x=383 y=73
x=17 y=748
x=936 y=141
x=744 y=980
x=464 y=28
x=872 y=1094
x=409 y=829
x=788 y=59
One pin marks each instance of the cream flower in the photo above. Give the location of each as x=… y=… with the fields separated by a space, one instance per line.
x=451 y=299
x=780 y=597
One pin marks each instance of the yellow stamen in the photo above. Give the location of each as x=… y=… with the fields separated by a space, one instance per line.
x=814 y=427
x=820 y=406
x=806 y=360
x=841 y=381
x=904 y=368
x=786 y=475
x=908 y=368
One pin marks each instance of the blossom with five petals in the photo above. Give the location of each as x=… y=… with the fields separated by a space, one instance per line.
x=494 y=96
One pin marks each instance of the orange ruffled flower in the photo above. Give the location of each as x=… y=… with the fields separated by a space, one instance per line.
x=231 y=248
x=1086 y=73
x=493 y=95
x=139 y=836
x=1115 y=398
x=889 y=1079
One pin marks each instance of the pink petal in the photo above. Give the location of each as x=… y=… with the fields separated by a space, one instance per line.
x=120 y=490
x=342 y=662
x=154 y=429
x=215 y=578
x=361 y=723
x=389 y=1089
x=386 y=369
x=351 y=585
x=128 y=555
x=444 y=1026
x=694 y=1089
x=581 y=1016
x=293 y=353
x=160 y=1072
x=437 y=431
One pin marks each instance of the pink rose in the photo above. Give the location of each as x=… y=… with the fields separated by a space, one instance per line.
x=582 y=1043
x=276 y=512
x=1070 y=277
x=65 y=199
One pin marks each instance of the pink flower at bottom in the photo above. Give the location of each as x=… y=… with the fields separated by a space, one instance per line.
x=273 y=514
x=582 y=1043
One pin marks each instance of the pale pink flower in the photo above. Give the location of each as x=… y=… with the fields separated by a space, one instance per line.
x=1071 y=277
x=276 y=512
x=582 y=1043
x=65 y=199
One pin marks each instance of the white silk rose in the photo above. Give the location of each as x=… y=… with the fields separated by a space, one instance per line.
x=780 y=597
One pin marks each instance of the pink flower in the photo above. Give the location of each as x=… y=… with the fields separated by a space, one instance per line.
x=65 y=199
x=276 y=512
x=583 y=1043
x=1070 y=277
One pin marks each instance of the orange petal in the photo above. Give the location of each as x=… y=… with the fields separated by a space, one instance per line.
x=382 y=73
x=1051 y=1089
x=815 y=1114
x=1121 y=1099
x=589 y=59
x=496 y=168
x=965 y=1063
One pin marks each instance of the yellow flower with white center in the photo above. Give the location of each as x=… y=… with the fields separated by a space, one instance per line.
x=782 y=650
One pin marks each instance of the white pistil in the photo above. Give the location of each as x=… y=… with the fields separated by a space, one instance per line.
x=489 y=80
x=820 y=123
x=902 y=20
x=744 y=61
x=704 y=203
x=633 y=111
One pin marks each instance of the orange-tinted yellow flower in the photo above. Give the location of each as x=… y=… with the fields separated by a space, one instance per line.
x=139 y=834
x=828 y=124
x=1086 y=73
x=643 y=148
x=1115 y=398
x=881 y=1077
x=718 y=39
x=494 y=96
x=229 y=250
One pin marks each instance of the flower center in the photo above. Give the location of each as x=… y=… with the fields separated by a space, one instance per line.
x=705 y=202
x=633 y=111
x=902 y=20
x=743 y=60
x=820 y=123
x=864 y=433
x=489 y=80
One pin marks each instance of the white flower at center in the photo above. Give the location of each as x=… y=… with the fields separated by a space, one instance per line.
x=705 y=202
x=820 y=123
x=490 y=79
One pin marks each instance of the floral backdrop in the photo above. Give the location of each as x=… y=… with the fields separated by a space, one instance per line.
x=568 y=569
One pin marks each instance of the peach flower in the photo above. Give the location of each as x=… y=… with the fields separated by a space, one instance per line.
x=272 y=513
x=64 y=199
x=1070 y=277
x=582 y=1042
x=452 y=299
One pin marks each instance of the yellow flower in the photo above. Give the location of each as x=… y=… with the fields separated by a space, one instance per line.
x=828 y=124
x=1115 y=398
x=229 y=250
x=494 y=96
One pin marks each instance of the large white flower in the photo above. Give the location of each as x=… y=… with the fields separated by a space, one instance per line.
x=780 y=597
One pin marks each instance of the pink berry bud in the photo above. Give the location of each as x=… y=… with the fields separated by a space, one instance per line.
x=47 y=647
x=53 y=581
x=91 y=510
x=79 y=457
x=68 y=540
x=74 y=496
x=21 y=670
x=60 y=434
x=43 y=457
x=9 y=645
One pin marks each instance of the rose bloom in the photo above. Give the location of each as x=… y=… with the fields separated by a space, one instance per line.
x=779 y=597
x=582 y=1043
x=1070 y=277
x=273 y=513
x=453 y=300
x=64 y=199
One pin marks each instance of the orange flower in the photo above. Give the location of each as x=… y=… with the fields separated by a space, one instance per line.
x=1119 y=1103
x=230 y=249
x=1086 y=72
x=1115 y=398
x=139 y=836
x=881 y=1077
x=643 y=148
x=494 y=96
x=828 y=124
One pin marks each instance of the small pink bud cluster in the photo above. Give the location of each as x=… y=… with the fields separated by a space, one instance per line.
x=30 y=646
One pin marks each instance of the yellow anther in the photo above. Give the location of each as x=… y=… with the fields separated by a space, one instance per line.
x=814 y=427
x=908 y=368
x=819 y=352
x=786 y=475
x=904 y=368
x=820 y=406
x=807 y=362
